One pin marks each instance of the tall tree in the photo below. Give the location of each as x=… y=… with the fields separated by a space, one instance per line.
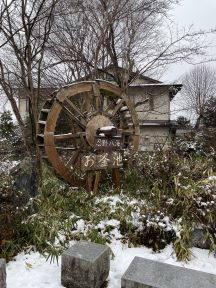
x=183 y=122
x=25 y=29
x=199 y=87
x=210 y=113
x=96 y=35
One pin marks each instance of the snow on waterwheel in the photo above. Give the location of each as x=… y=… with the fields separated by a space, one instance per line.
x=84 y=127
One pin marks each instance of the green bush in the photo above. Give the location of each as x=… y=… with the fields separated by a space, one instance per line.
x=163 y=198
x=11 y=217
x=11 y=143
x=183 y=188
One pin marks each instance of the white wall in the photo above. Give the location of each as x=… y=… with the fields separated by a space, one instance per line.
x=160 y=98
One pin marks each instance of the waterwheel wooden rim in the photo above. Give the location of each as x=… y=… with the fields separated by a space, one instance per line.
x=50 y=113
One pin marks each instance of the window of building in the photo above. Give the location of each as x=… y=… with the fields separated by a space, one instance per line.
x=151 y=102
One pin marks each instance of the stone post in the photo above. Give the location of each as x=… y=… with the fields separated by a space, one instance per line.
x=2 y=273
x=85 y=265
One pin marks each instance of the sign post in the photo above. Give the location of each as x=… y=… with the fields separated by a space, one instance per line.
x=108 y=155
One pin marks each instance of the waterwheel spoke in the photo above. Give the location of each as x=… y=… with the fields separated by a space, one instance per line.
x=108 y=108
x=117 y=107
x=65 y=148
x=73 y=106
x=62 y=137
x=73 y=158
x=114 y=107
x=86 y=106
x=98 y=98
x=107 y=114
x=126 y=131
x=72 y=136
x=74 y=118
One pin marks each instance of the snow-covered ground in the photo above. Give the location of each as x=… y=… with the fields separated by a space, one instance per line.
x=33 y=271
x=7 y=166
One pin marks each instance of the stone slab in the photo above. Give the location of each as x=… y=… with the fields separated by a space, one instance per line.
x=85 y=265
x=2 y=273
x=145 y=273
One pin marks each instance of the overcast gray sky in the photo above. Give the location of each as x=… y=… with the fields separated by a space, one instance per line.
x=202 y=15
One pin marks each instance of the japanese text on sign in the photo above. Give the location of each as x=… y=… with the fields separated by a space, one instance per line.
x=101 y=161
x=108 y=143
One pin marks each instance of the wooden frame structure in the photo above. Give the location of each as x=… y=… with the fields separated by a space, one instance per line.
x=68 y=128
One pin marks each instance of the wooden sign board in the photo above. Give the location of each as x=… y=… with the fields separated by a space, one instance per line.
x=108 y=143
x=105 y=160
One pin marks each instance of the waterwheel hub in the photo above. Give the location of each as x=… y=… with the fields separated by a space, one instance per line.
x=93 y=125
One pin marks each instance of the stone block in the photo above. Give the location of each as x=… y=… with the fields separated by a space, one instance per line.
x=2 y=273
x=85 y=265
x=145 y=273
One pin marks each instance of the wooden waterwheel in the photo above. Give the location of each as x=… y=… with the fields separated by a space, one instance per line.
x=84 y=121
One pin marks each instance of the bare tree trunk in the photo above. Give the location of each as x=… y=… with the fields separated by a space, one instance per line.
x=25 y=39
x=199 y=87
x=198 y=122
